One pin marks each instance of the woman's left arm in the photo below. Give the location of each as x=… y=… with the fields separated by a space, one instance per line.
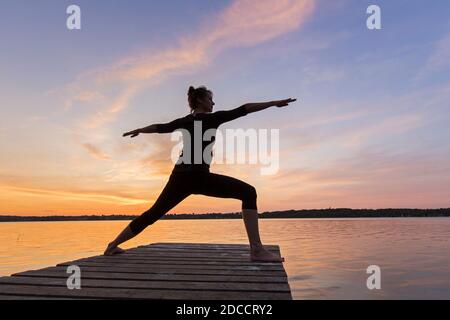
x=228 y=115
x=258 y=106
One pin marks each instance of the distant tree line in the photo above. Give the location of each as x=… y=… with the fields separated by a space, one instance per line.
x=305 y=213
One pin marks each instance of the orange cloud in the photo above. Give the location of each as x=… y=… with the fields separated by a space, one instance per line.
x=95 y=152
x=71 y=195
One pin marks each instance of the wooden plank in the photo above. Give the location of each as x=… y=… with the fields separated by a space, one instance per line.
x=154 y=255
x=199 y=250
x=185 y=271
x=132 y=252
x=160 y=260
x=20 y=297
x=208 y=245
x=219 y=255
x=109 y=273
x=203 y=248
x=134 y=284
x=115 y=293
x=178 y=264
x=235 y=268
x=223 y=256
x=172 y=258
x=243 y=253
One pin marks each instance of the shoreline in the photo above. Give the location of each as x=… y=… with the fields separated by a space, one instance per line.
x=287 y=214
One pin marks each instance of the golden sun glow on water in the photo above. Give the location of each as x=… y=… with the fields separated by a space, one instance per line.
x=325 y=258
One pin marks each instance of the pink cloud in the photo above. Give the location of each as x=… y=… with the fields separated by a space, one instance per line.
x=243 y=23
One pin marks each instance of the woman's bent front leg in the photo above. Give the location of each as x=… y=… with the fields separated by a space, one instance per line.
x=173 y=193
x=221 y=186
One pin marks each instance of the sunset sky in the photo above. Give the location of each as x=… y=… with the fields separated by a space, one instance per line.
x=370 y=128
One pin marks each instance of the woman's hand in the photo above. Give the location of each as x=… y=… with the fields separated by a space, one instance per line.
x=283 y=103
x=133 y=133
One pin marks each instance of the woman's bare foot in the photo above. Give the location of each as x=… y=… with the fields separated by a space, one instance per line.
x=262 y=255
x=111 y=250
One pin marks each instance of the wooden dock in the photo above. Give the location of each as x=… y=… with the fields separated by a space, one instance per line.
x=175 y=271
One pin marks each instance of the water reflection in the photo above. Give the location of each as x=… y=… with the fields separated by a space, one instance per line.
x=325 y=258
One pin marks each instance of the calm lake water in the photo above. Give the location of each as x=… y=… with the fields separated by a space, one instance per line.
x=325 y=258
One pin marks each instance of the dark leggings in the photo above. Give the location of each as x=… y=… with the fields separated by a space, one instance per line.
x=183 y=184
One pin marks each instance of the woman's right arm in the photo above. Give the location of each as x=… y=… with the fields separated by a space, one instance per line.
x=149 y=129
x=156 y=128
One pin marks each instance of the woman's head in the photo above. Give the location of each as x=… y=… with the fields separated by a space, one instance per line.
x=200 y=99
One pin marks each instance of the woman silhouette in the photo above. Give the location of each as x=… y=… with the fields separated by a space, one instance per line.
x=191 y=174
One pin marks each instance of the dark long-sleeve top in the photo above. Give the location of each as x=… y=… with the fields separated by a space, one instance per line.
x=193 y=128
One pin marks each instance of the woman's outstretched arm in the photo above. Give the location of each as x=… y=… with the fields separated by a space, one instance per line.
x=157 y=128
x=228 y=115
x=258 y=106
x=149 y=129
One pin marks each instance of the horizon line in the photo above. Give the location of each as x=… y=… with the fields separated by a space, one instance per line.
x=216 y=213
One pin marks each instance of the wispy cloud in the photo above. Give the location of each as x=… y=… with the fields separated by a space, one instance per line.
x=108 y=115
x=351 y=124
x=139 y=165
x=95 y=151
x=313 y=74
x=83 y=96
x=388 y=126
x=342 y=131
x=243 y=23
x=72 y=195
x=439 y=60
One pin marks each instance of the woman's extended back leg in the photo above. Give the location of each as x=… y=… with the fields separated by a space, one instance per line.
x=173 y=193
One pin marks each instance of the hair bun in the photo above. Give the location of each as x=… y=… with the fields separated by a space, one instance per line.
x=194 y=94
